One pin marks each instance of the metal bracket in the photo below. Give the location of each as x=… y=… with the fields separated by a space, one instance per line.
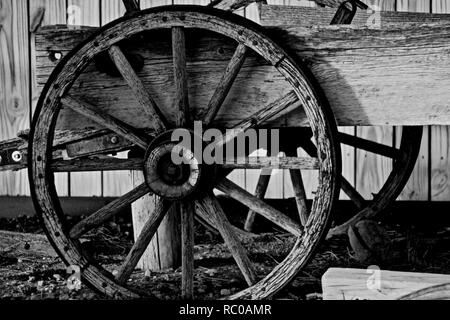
x=346 y=11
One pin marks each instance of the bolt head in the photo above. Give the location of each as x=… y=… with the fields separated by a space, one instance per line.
x=115 y=140
x=17 y=156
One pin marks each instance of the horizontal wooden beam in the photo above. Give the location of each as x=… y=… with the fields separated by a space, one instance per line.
x=278 y=15
x=370 y=75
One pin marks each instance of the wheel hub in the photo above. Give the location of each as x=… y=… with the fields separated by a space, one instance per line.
x=169 y=179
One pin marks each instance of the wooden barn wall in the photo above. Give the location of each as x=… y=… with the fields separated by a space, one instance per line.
x=18 y=98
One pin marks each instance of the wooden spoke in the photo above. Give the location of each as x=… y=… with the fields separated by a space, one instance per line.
x=138 y=88
x=131 y=6
x=269 y=112
x=259 y=206
x=230 y=5
x=299 y=190
x=215 y=211
x=346 y=186
x=272 y=163
x=204 y=218
x=105 y=120
x=180 y=76
x=260 y=192
x=300 y=195
x=141 y=244
x=92 y=165
x=108 y=211
x=187 y=257
x=310 y=148
x=226 y=83
x=354 y=195
x=370 y=146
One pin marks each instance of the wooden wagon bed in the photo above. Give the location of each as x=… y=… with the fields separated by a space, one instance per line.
x=371 y=75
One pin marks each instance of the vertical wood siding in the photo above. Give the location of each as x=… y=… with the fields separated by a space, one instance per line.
x=440 y=139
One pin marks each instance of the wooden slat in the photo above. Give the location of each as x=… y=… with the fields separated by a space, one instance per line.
x=440 y=140
x=14 y=84
x=372 y=170
x=86 y=13
x=111 y=10
x=348 y=160
x=145 y=4
x=418 y=185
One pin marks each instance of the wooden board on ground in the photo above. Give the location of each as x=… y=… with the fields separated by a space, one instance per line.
x=375 y=284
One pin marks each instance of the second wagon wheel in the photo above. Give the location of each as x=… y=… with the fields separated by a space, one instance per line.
x=404 y=159
x=149 y=123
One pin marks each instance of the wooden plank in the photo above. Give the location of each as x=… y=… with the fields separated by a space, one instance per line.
x=440 y=141
x=440 y=163
x=54 y=13
x=348 y=160
x=375 y=284
x=14 y=84
x=374 y=85
x=418 y=185
x=86 y=13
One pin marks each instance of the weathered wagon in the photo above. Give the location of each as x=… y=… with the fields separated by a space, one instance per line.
x=128 y=85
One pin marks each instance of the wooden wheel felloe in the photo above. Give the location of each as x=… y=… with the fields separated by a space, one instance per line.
x=177 y=190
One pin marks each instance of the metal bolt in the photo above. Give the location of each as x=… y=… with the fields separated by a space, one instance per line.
x=17 y=156
x=114 y=140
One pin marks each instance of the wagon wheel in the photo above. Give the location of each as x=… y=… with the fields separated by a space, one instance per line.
x=405 y=157
x=183 y=186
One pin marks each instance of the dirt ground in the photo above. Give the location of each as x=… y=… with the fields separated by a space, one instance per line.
x=31 y=276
